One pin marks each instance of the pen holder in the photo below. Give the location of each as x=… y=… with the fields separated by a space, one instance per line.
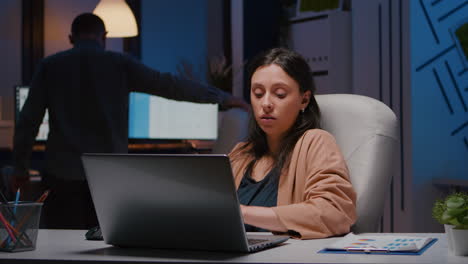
x=19 y=225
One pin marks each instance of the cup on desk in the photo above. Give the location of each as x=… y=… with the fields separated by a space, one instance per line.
x=19 y=225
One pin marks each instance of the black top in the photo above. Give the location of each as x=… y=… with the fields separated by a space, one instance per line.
x=262 y=193
x=86 y=91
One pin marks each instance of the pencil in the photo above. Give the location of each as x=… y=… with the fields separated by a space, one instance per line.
x=18 y=193
x=5 y=201
x=5 y=223
x=21 y=236
x=15 y=232
x=41 y=199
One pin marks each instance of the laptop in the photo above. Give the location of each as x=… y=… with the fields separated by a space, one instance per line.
x=169 y=202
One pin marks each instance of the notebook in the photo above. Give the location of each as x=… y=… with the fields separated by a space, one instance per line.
x=386 y=244
x=169 y=201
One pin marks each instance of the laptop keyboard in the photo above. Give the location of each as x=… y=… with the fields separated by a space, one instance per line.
x=253 y=241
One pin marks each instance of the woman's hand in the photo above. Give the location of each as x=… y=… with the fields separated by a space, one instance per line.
x=263 y=217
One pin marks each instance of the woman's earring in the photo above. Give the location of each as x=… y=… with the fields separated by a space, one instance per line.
x=302 y=110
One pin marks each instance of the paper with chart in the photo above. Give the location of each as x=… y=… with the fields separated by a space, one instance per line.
x=388 y=243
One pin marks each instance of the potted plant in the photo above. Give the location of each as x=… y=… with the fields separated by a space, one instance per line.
x=452 y=212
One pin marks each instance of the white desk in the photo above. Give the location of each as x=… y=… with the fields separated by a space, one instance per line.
x=69 y=246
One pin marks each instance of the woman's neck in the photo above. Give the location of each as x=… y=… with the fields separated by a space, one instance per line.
x=274 y=143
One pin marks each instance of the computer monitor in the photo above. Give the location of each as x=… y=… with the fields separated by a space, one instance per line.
x=152 y=118
x=21 y=94
x=156 y=118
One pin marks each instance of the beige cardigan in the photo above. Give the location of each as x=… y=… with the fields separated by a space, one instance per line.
x=315 y=196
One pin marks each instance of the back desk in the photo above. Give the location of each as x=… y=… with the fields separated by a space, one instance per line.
x=69 y=246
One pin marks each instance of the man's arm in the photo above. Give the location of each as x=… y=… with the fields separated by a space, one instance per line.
x=146 y=80
x=27 y=127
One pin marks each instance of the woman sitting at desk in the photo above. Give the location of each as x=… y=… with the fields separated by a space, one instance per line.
x=290 y=174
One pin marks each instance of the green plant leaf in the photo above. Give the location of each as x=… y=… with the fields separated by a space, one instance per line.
x=446 y=217
x=454 y=222
x=452 y=210
x=455 y=212
x=438 y=209
x=463 y=220
x=455 y=202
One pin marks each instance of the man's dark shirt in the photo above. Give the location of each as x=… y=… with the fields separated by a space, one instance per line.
x=86 y=91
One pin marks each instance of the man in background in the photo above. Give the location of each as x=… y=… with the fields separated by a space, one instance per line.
x=86 y=91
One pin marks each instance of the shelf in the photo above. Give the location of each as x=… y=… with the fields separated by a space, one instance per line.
x=6 y=124
x=449 y=182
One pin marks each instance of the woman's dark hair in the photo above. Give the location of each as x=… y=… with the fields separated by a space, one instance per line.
x=297 y=68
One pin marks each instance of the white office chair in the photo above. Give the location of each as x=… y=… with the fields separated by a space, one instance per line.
x=366 y=131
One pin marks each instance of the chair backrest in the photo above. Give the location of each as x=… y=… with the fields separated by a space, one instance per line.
x=233 y=128
x=366 y=131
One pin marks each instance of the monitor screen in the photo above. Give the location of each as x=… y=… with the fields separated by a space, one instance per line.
x=153 y=117
x=21 y=93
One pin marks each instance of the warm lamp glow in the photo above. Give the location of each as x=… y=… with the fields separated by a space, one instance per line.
x=118 y=18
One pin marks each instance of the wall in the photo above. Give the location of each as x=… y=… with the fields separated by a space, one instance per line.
x=237 y=37
x=170 y=30
x=380 y=69
x=404 y=55
x=261 y=24
x=10 y=54
x=173 y=31
x=58 y=16
x=439 y=100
